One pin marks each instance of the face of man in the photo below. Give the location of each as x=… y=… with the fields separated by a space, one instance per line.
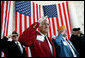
x=76 y=32
x=44 y=26
x=61 y=31
x=15 y=37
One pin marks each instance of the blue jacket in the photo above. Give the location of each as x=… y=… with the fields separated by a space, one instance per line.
x=62 y=49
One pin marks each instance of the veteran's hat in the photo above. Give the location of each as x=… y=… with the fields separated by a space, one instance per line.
x=76 y=29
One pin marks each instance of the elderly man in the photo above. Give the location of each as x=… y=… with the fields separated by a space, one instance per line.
x=12 y=47
x=77 y=39
x=39 y=43
x=64 y=47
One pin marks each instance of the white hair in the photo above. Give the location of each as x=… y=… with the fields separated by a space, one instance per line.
x=43 y=18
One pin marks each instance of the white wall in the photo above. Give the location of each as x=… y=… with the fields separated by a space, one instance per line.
x=76 y=9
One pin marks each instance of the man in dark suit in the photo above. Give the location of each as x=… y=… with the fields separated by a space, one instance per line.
x=78 y=40
x=11 y=46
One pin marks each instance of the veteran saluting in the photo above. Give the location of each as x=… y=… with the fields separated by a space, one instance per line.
x=64 y=47
x=39 y=43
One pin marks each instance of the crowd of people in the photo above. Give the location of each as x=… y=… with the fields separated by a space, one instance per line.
x=40 y=45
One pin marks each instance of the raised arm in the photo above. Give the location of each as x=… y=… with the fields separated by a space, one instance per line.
x=27 y=37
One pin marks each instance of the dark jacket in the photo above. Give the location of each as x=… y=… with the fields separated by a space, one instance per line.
x=11 y=49
x=78 y=42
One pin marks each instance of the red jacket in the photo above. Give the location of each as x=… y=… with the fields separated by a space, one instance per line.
x=38 y=49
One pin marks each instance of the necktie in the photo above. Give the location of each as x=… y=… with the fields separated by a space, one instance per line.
x=49 y=44
x=69 y=43
x=19 y=47
x=72 y=48
x=46 y=40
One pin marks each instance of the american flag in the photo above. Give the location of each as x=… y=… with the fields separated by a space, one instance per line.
x=58 y=15
x=5 y=12
x=26 y=13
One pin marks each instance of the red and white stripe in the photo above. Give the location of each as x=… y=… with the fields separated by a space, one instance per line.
x=22 y=22
x=5 y=12
x=62 y=19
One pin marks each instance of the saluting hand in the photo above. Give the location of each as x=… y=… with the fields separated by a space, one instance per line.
x=9 y=36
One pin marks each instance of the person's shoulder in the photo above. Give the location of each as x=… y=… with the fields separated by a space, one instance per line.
x=4 y=38
x=59 y=36
x=73 y=36
x=81 y=34
x=37 y=32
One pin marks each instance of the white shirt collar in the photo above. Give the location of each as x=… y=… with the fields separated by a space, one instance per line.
x=64 y=38
x=17 y=42
x=10 y=39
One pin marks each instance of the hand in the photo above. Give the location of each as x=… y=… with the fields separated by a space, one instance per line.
x=9 y=36
x=63 y=32
x=64 y=35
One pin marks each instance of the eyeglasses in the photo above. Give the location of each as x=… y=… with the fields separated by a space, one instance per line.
x=14 y=35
